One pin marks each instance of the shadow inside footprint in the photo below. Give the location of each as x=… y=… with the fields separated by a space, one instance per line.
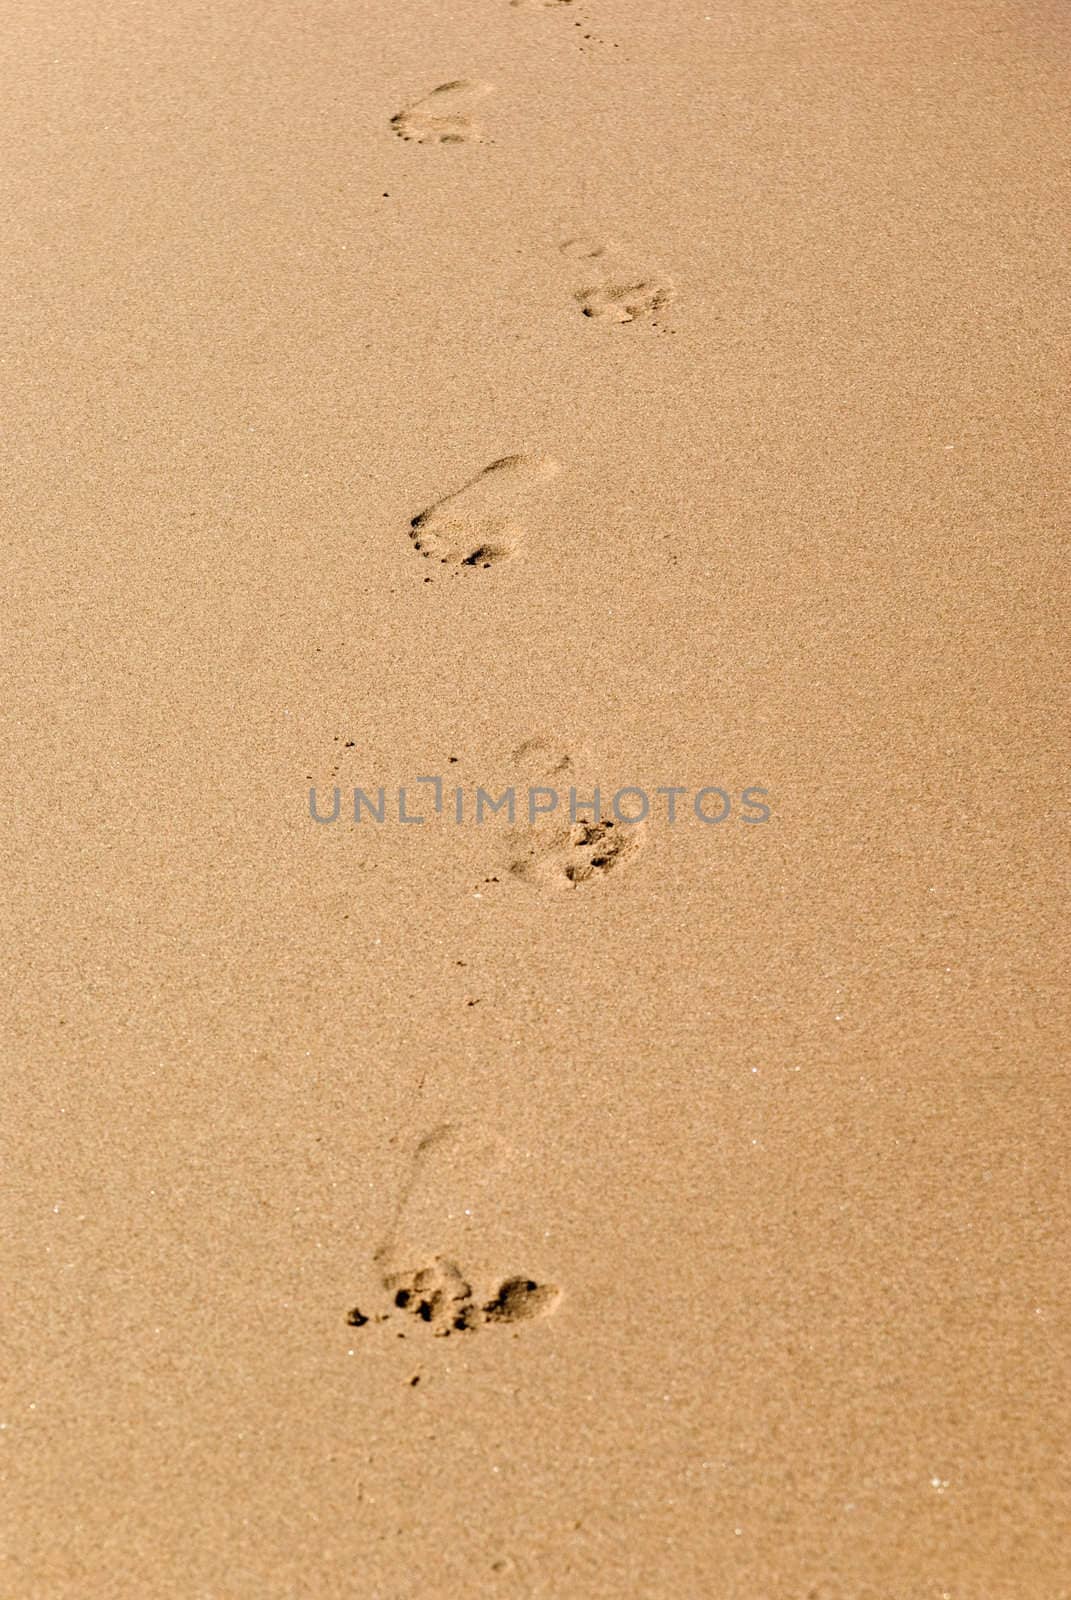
x=439 y=1296
x=436 y=1294
x=522 y=1300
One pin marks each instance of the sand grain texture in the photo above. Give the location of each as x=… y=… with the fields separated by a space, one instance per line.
x=502 y=1210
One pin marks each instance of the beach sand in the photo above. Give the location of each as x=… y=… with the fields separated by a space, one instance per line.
x=650 y=396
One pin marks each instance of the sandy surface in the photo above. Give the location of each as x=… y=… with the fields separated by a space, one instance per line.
x=452 y=1210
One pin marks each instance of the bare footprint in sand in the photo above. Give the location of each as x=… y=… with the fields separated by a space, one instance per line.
x=474 y=526
x=447 y=1186
x=572 y=856
x=553 y=852
x=540 y=759
x=619 y=297
x=443 y=116
x=624 y=302
x=583 y=248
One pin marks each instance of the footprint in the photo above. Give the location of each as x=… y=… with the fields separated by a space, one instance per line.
x=539 y=759
x=473 y=527
x=619 y=297
x=553 y=853
x=625 y=302
x=440 y=1203
x=570 y=857
x=442 y=117
x=582 y=248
